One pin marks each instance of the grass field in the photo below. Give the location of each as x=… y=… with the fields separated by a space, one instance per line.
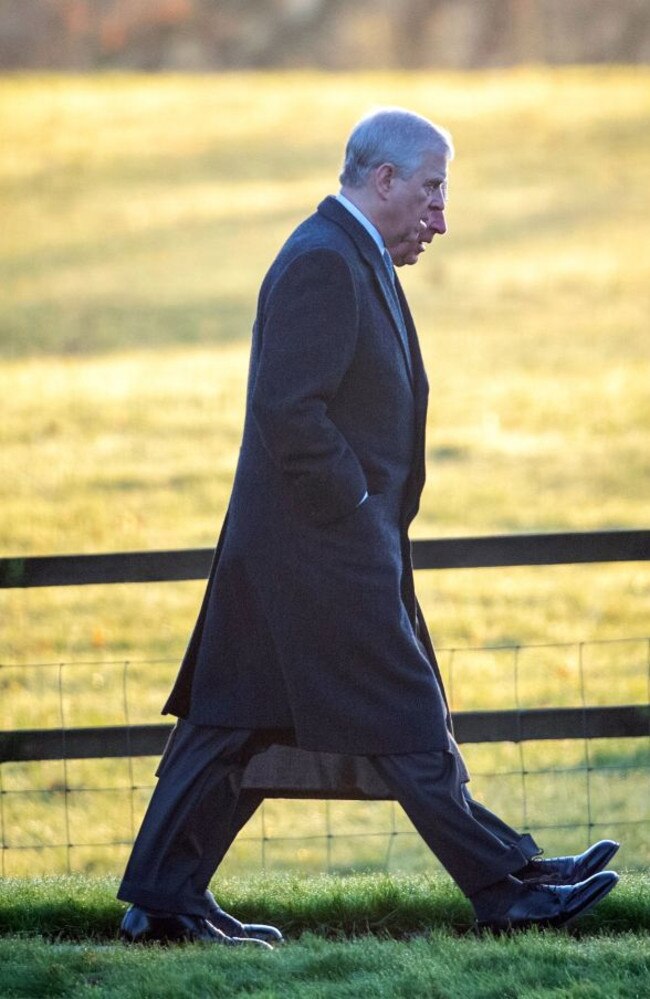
x=139 y=216
x=541 y=966
x=347 y=939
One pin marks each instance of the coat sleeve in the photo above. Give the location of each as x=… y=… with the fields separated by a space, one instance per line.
x=308 y=339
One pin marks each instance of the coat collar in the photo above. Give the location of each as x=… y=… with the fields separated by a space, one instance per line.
x=333 y=210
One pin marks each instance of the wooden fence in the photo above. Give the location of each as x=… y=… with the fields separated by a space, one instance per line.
x=283 y=772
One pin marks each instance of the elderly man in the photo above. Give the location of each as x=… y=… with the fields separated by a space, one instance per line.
x=310 y=634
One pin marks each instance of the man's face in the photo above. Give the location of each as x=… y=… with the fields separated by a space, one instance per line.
x=409 y=250
x=419 y=197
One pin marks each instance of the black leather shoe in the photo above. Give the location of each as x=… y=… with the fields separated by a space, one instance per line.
x=233 y=928
x=569 y=870
x=144 y=926
x=551 y=905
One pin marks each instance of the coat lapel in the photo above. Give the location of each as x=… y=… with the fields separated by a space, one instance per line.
x=334 y=210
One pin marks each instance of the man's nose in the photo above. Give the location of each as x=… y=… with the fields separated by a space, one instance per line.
x=436 y=222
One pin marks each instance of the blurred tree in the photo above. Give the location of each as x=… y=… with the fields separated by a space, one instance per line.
x=223 y=34
x=411 y=24
x=278 y=32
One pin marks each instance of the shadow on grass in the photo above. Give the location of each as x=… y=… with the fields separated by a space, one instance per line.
x=389 y=906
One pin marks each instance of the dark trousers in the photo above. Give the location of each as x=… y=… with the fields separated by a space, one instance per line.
x=199 y=806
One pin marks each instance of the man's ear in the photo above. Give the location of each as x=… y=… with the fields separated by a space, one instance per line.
x=384 y=177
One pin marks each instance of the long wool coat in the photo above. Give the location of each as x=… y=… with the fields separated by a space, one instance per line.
x=309 y=620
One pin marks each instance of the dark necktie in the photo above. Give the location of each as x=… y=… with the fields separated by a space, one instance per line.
x=401 y=324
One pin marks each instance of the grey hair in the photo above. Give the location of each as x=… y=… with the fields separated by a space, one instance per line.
x=391 y=135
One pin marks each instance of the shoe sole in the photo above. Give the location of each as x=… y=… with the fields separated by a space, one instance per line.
x=245 y=931
x=151 y=940
x=598 y=897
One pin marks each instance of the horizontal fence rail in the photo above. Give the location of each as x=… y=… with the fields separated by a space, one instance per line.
x=287 y=772
x=439 y=553
x=102 y=742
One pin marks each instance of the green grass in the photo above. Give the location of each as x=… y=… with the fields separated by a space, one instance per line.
x=76 y=907
x=140 y=214
x=439 y=966
x=351 y=937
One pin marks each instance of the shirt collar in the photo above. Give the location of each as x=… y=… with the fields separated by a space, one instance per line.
x=365 y=222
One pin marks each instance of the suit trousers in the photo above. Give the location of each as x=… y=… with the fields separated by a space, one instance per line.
x=199 y=806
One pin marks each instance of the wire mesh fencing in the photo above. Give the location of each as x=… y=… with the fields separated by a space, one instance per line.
x=81 y=814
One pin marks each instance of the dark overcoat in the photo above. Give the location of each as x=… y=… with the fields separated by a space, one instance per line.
x=310 y=620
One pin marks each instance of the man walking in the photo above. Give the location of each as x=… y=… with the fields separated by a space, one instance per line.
x=310 y=633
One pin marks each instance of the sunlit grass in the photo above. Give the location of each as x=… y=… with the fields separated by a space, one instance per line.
x=438 y=966
x=346 y=937
x=77 y=908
